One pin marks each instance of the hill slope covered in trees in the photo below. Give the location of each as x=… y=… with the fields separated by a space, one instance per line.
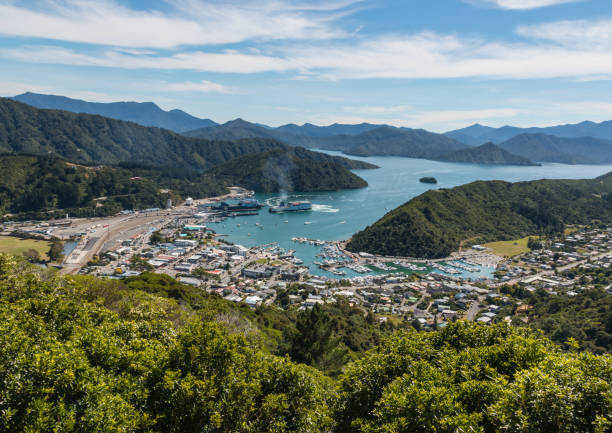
x=276 y=170
x=86 y=138
x=35 y=186
x=82 y=354
x=435 y=223
x=487 y=153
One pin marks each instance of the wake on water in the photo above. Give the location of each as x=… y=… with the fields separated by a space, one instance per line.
x=324 y=208
x=275 y=201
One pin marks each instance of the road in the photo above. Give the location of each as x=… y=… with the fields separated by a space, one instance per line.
x=93 y=243
x=474 y=308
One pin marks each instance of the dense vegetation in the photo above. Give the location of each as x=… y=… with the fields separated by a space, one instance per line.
x=437 y=222
x=143 y=113
x=487 y=153
x=86 y=138
x=240 y=129
x=86 y=355
x=387 y=140
x=39 y=186
x=277 y=170
x=586 y=317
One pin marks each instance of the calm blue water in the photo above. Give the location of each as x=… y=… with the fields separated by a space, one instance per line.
x=338 y=215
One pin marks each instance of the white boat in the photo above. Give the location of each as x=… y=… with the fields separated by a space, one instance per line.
x=307 y=222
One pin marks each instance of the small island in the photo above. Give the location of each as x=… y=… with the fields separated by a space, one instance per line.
x=428 y=180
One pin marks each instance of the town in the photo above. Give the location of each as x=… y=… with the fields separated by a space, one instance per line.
x=177 y=242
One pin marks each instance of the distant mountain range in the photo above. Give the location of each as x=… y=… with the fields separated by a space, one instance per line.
x=390 y=141
x=86 y=138
x=488 y=153
x=581 y=143
x=478 y=134
x=143 y=113
x=372 y=140
x=358 y=140
x=544 y=147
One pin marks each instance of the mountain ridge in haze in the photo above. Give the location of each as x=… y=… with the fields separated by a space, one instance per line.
x=143 y=113
x=550 y=148
x=367 y=139
x=87 y=138
x=479 y=134
x=488 y=153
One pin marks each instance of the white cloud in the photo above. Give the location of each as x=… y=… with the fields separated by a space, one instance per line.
x=580 y=34
x=519 y=4
x=203 y=86
x=556 y=51
x=191 y=22
x=226 y=61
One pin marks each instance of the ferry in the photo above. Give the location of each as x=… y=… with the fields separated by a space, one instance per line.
x=291 y=206
x=247 y=204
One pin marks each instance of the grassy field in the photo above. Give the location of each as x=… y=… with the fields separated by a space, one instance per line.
x=17 y=246
x=509 y=248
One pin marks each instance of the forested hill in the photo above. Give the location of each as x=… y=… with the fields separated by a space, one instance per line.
x=276 y=170
x=239 y=129
x=86 y=138
x=435 y=223
x=390 y=141
x=147 y=354
x=38 y=186
x=143 y=113
x=488 y=153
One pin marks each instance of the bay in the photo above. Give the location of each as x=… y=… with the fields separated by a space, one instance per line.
x=338 y=215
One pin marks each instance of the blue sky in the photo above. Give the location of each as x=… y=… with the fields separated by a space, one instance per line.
x=438 y=64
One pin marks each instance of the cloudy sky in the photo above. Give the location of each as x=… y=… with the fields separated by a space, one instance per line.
x=437 y=64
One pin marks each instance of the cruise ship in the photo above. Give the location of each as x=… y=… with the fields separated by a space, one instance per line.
x=291 y=206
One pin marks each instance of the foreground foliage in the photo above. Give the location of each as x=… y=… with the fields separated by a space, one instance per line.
x=87 y=355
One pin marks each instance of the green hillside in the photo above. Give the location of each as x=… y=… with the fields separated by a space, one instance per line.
x=390 y=141
x=488 y=153
x=86 y=138
x=277 y=170
x=38 y=187
x=435 y=223
x=88 y=355
x=239 y=129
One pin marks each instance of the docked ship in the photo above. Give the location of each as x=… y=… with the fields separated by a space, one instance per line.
x=245 y=205
x=293 y=206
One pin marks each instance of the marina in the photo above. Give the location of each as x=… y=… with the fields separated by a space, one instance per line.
x=336 y=216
